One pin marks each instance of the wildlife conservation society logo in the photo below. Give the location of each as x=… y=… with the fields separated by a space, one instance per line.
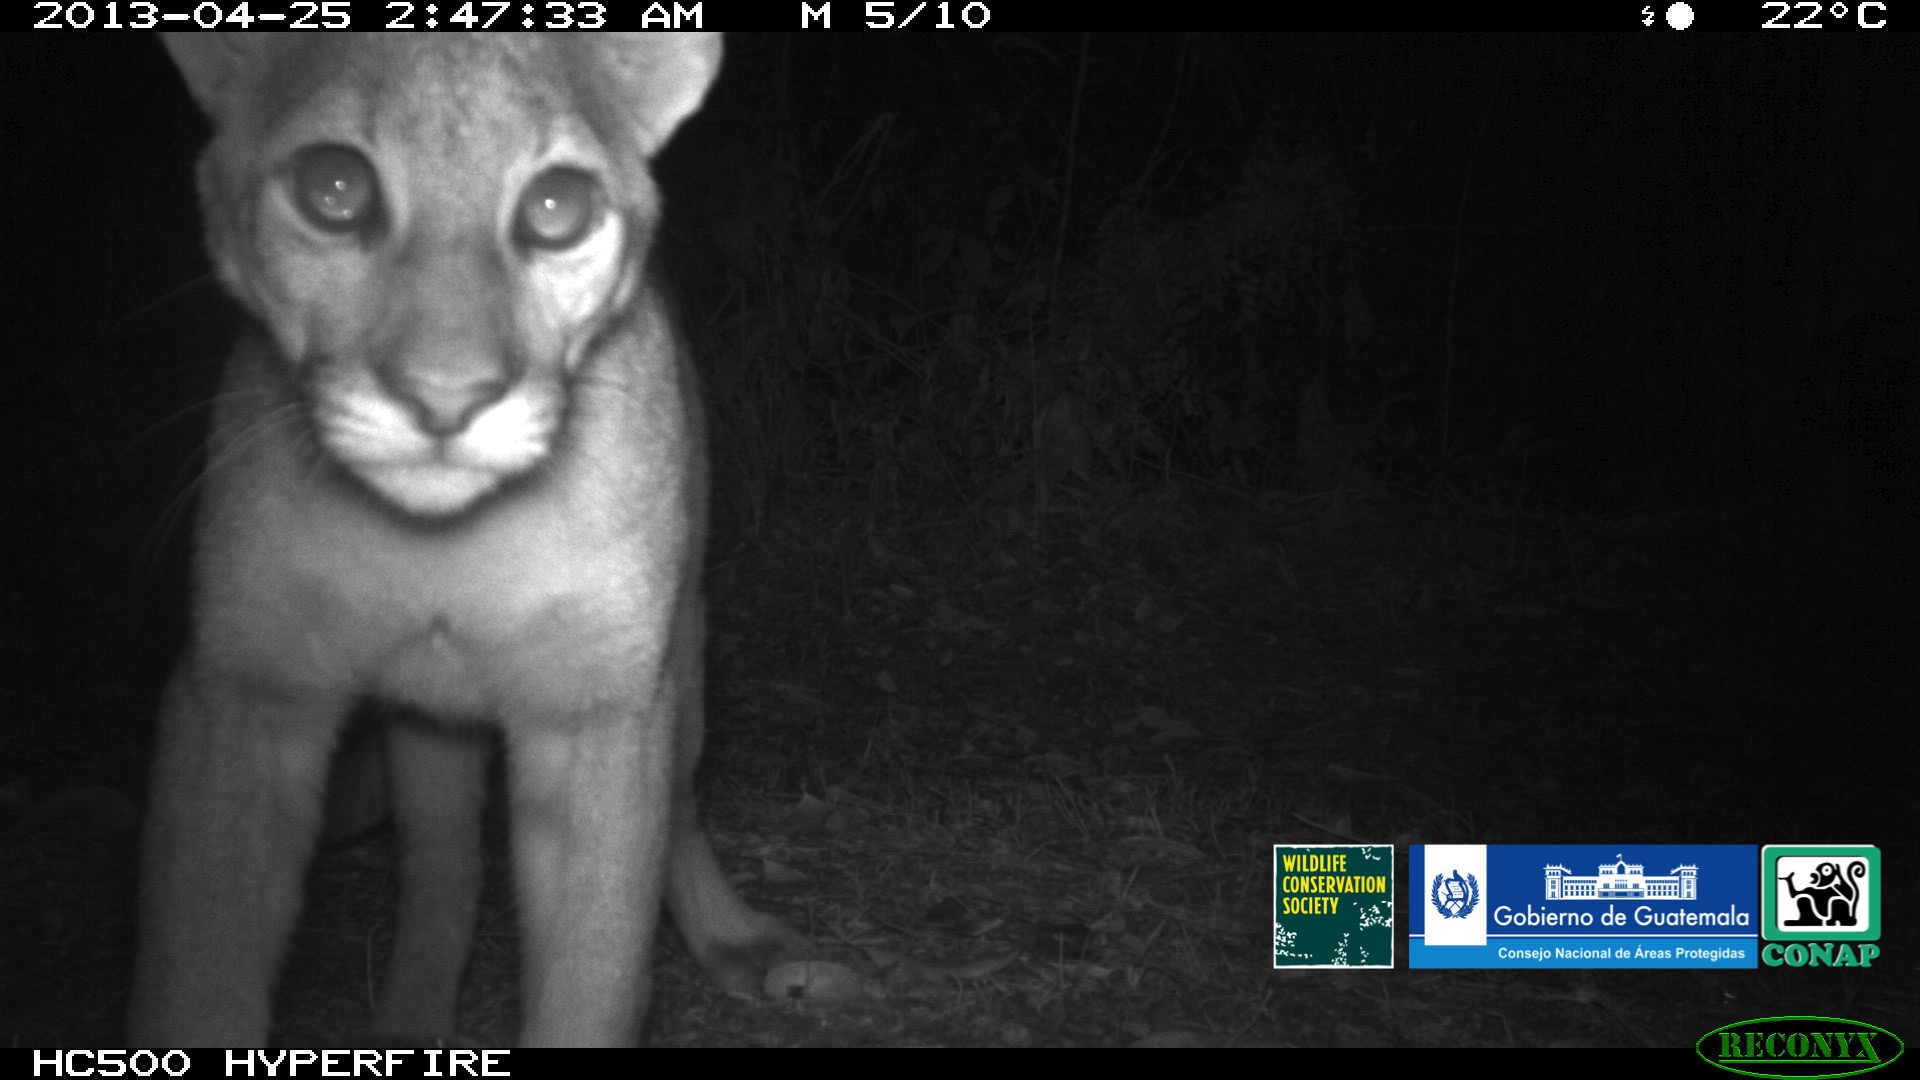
x=1820 y=905
x=1583 y=906
x=1333 y=906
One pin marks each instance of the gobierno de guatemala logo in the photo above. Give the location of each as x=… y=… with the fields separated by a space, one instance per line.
x=1584 y=905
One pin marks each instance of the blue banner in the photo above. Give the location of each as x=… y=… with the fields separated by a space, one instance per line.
x=1584 y=905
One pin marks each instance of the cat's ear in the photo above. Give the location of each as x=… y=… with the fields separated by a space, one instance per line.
x=665 y=75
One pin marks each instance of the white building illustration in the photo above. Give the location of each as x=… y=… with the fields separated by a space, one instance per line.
x=1622 y=880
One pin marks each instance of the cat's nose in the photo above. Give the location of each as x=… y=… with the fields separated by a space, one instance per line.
x=444 y=403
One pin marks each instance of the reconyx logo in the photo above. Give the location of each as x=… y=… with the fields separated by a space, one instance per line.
x=1799 y=1047
x=1820 y=905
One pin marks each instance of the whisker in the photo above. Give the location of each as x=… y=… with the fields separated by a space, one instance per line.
x=189 y=477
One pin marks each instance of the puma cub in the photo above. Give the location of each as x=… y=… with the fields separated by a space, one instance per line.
x=456 y=463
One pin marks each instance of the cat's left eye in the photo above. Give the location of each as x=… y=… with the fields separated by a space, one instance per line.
x=557 y=210
x=335 y=189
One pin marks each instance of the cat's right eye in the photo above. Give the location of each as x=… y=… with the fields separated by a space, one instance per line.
x=335 y=189
x=557 y=210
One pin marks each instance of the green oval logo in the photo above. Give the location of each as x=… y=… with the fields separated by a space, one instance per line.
x=1799 y=1047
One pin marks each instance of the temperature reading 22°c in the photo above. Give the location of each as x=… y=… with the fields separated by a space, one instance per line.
x=1814 y=15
